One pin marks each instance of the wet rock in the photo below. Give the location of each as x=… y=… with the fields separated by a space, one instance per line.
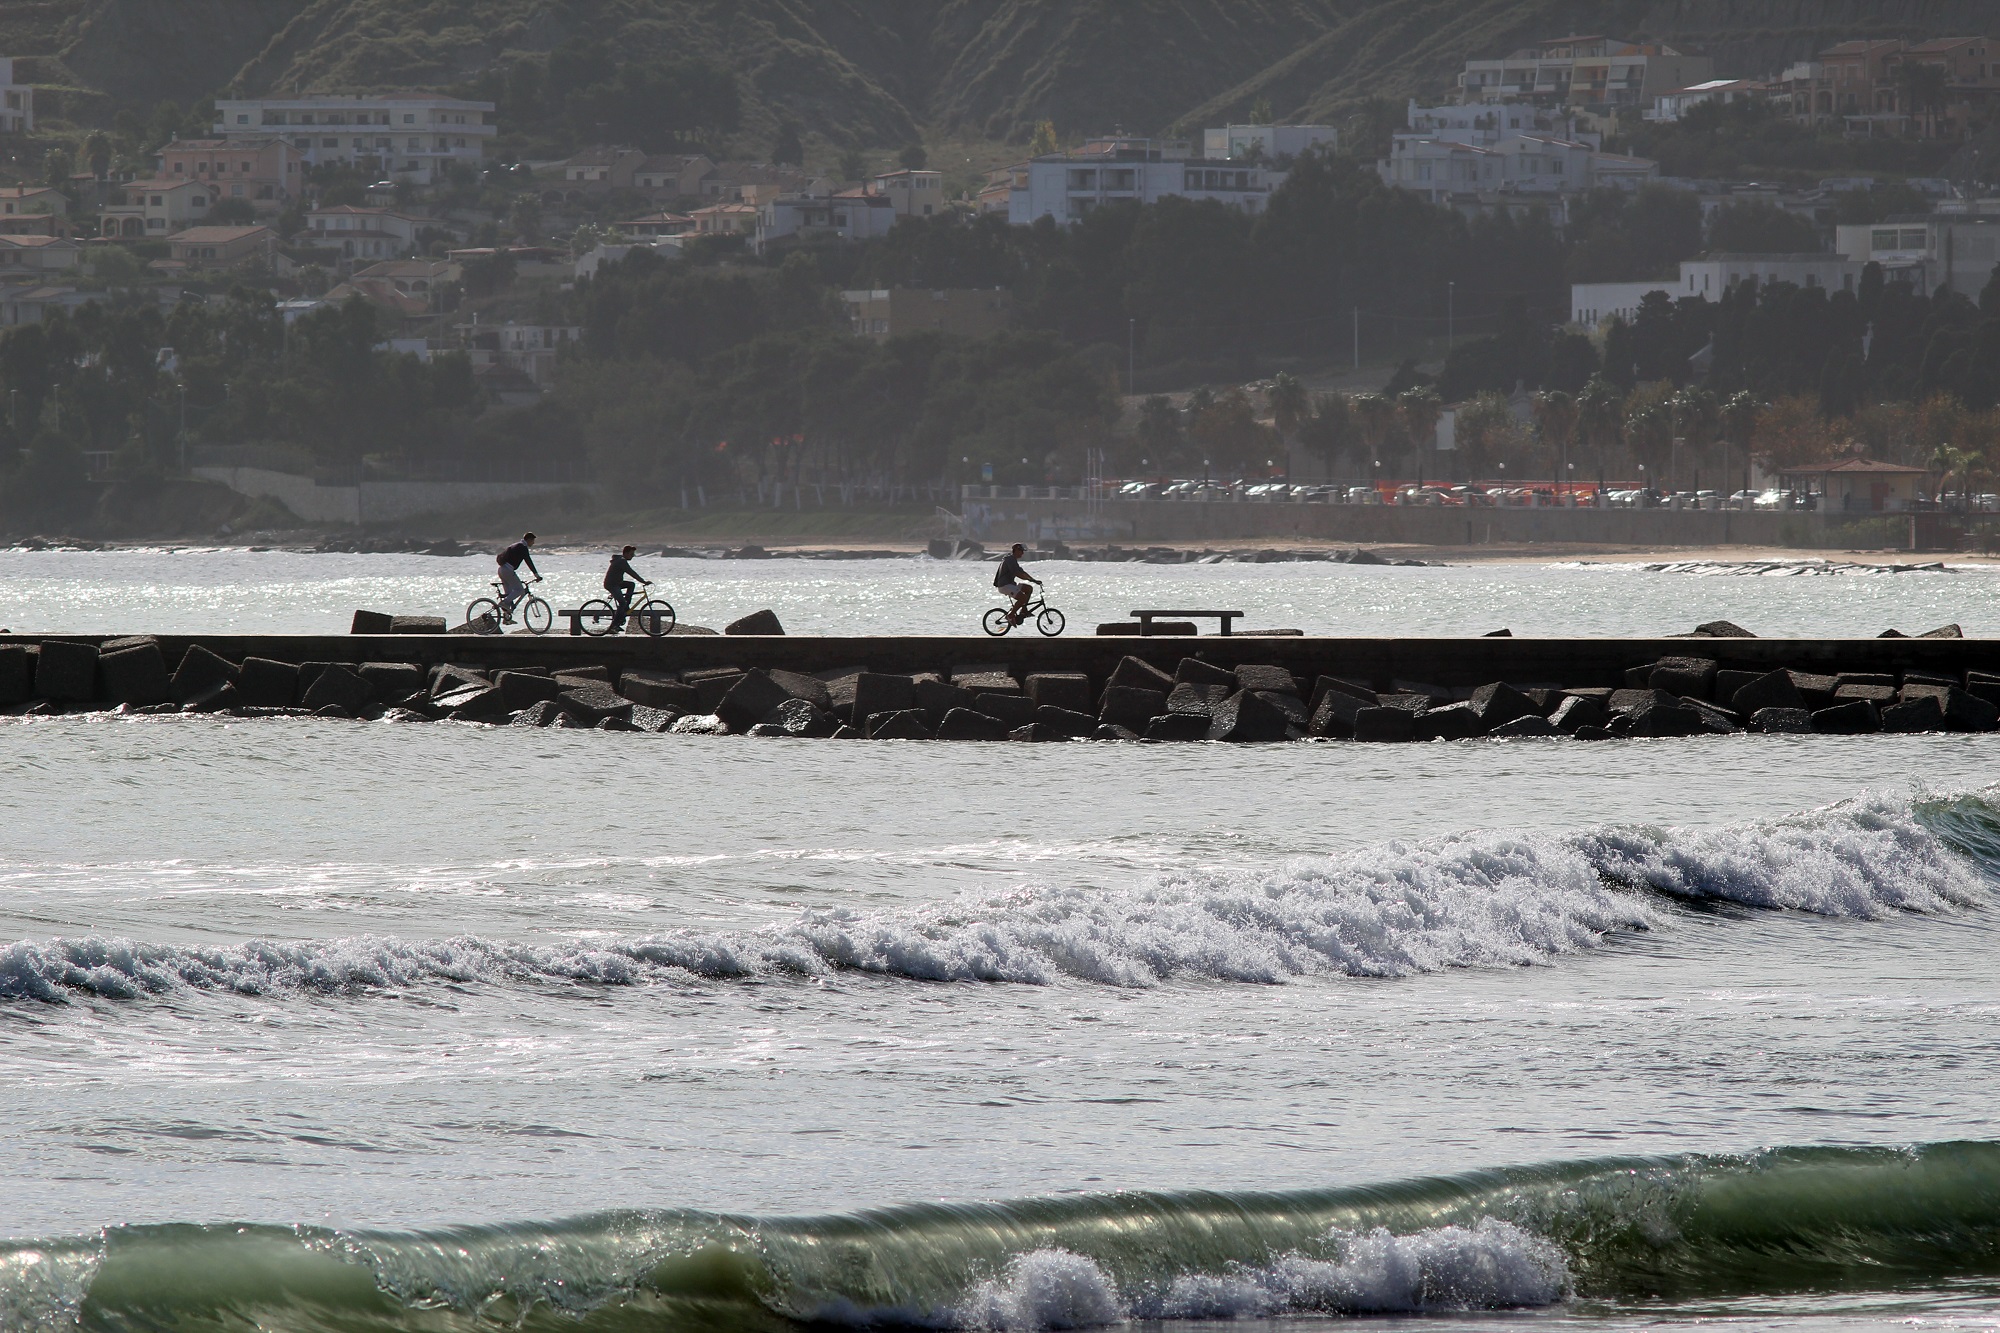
x=1199 y=698
x=845 y=733
x=904 y=725
x=1531 y=724
x=1266 y=680
x=757 y=622
x=1591 y=732
x=1131 y=706
x=1782 y=721
x=217 y=698
x=1334 y=715
x=1385 y=724
x=571 y=722
x=1068 y=690
x=1773 y=689
x=264 y=683
x=392 y=680
x=333 y=712
x=448 y=677
x=935 y=699
x=1194 y=671
x=1133 y=673
x=162 y=710
x=1499 y=703
x=66 y=672
x=655 y=719
x=137 y=676
x=799 y=718
x=542 y=714
x=17 y=673
x=1687 y=677
x=1016 y=710
x=1663 y=715
x=1247 y=716
x=1714 y=717
x=710 y=687
x=963 y=724
x=1943 y=632
x=1077 y=726
x=655 y=689
x=750 y=700
x=1925 y=713
x=1178 y=727
x=1352 y=689
x=699 y=724
x=1882 y=696
x=337 y=685
x=876 y=692
x=1405 y=700
x=1629 y=700
x=1579 y=711
x=473 y=703
x=1293 y=707
x=1815 y=689
x=591 y=703
x=372 y=622
x=1453 y=722
x=1106 y=732
x=809 y=688
x=416 y=625
x=1722 y=629
x=201 y=670
x=766 y=729
x=520 y=690
x=1857 y=718
x=1965 y=711
x=1035 y=731
x=398 y=714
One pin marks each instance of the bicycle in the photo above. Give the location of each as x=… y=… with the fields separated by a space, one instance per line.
x=535 y=613
x=654 y=616
x=1000 y=619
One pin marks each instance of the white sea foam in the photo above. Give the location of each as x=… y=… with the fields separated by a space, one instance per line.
x=1395 y=910
x=1493 y=1265
x=42 y=1287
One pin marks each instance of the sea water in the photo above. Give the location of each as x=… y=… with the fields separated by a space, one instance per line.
x=309 y=1025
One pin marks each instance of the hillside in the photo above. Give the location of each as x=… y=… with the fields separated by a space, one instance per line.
x=880 y=72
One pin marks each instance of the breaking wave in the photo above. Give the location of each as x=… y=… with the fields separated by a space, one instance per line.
x=1393 y=910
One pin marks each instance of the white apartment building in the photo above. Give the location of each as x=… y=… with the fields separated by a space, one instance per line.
x=1268 y=143
x=409 y=136
x=1928 y=250
x=1520 y=168
x=912 y=194
x=364 y=235
x=17 y=101
x=1486 y=126
x=847 y=215
x=1583 y=71
x=1706 y=278
x=1067 y=186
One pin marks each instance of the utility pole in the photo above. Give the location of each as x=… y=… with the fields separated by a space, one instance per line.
x=1131 y=343
x=1357 y=337
x=1450 y=314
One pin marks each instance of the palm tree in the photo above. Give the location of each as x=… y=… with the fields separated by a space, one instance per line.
x=1290 y=404
x=1421 y=408
x=1376 y=416
x=1949 y=461
x=1600 y=417
x=1923 y=89
x=1556 y=417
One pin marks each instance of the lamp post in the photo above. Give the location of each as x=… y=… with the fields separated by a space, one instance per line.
x=1450 y=314
x=1131 y=345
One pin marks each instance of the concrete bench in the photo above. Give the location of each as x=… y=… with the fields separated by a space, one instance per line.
x=1146 y=618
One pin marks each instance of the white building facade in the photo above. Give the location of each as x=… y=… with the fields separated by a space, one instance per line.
x=1067 y=187
x=1927 y=251
x=1583 y=71
x=1268 y=143
x=17 y=101
x=412 y=136
x=849 y=215
x=1707 y=278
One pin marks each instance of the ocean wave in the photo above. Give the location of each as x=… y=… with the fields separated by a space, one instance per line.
x=1393 y=910
x=1782 y=1221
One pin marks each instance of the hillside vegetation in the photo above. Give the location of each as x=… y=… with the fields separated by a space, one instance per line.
x=883 y=72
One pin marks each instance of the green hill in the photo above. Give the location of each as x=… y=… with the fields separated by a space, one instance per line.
x=880 y=72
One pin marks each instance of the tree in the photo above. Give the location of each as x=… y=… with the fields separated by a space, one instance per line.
x=1600 y=416
x=853 y=165
x=1159 y=431
x=1923 y=89
x=1555 y=419
x=1989 y=295
x=1758 y=228
x=1376 y=419
x=1290 y=404
x=1330 y=429
x=1421 y=407
x=1260 y=112
x=97 y=151
x=788 y=149
x=1044 y=141
x=1948 y=462
x=913 y=157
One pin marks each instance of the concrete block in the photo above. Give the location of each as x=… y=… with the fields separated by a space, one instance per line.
x=799 y=718
x=1060 y=689
x=416 y=624
x=1016 y=710
x=66 y=672
x=809 y=688
x=1773 y=689
x=1177 y=727
x=963 y=724
x=201 y=671
x=136 y=676
x=1194 y=671
x=392 y=680
x=753 y=696
x=17 y=673
x=263 y=683
x=1080 y=726
x=903 y=725
x=1782 y=721
x=519 y=690
x=1856 y=718
x=709 y=690
x=1248 y=715
x=590 y=702
x=757 y=622
x=1924 y=713
x=1131 y=706
x=1385 y=724
x=1201 y=698
x=372 y=622
x=875 y=692
x=1266 y=680
x=340 y=686
x=1499 y=703
x=1134 y=673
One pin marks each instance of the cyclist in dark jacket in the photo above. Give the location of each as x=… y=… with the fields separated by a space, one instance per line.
x=512 y=590
x=619 y=581
x=1012 y=581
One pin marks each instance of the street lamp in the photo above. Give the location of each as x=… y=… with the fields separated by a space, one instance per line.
x=1569 y=488
x=1450 y=314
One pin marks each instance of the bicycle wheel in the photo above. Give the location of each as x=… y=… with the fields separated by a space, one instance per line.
x=483 y=606
x=535 y=614
x=653 y=616
x=996 y=622
x=594 y=617
x=1050 y=621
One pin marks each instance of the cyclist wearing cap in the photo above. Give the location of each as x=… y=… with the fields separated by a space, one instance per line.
x=512 y=589
x=1013 y=581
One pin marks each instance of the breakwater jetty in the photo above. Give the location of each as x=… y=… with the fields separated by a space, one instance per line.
x=1166 y=688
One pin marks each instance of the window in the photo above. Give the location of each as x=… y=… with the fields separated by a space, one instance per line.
x=243 y=166
x=243 y=120
x=201 y=168
x=409 y=120
x=180 y=168
x=329 y=143
x=1915 y=238
x=1082 y=180
x=1884 y=239
x=416 y=144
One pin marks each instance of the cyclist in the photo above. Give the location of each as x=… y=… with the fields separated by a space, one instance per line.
x=1013 y=581
x=512 y=590
x=619 y=582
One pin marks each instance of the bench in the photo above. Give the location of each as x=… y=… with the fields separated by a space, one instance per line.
x=1146 y=618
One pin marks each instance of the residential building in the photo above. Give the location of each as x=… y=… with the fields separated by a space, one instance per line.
x=365 y=233
x=751 y=183
x=1857 y=486
x=657 y=224
x=1928 y=250
x=671 y=176
x=1068 y=186
x=725 y=220
x=912 y=194
x=411 y=136
x=526 y=349
x=17 y=101
x=845 y=215
x=222 y=247
x=1672 y=106
x=1487 y=125
x=413 y=277
x=263 y=169
x=600 y=170
x=1265 y=143
x=33 y=256
x=610 y=252
x=382 y=294
x=1706 y=278
x=1593 y=72
x=23 y=303
x=1864 y=86
x=157 y=208
x=971 y=312
x=1517 y=172
x=33 y=210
